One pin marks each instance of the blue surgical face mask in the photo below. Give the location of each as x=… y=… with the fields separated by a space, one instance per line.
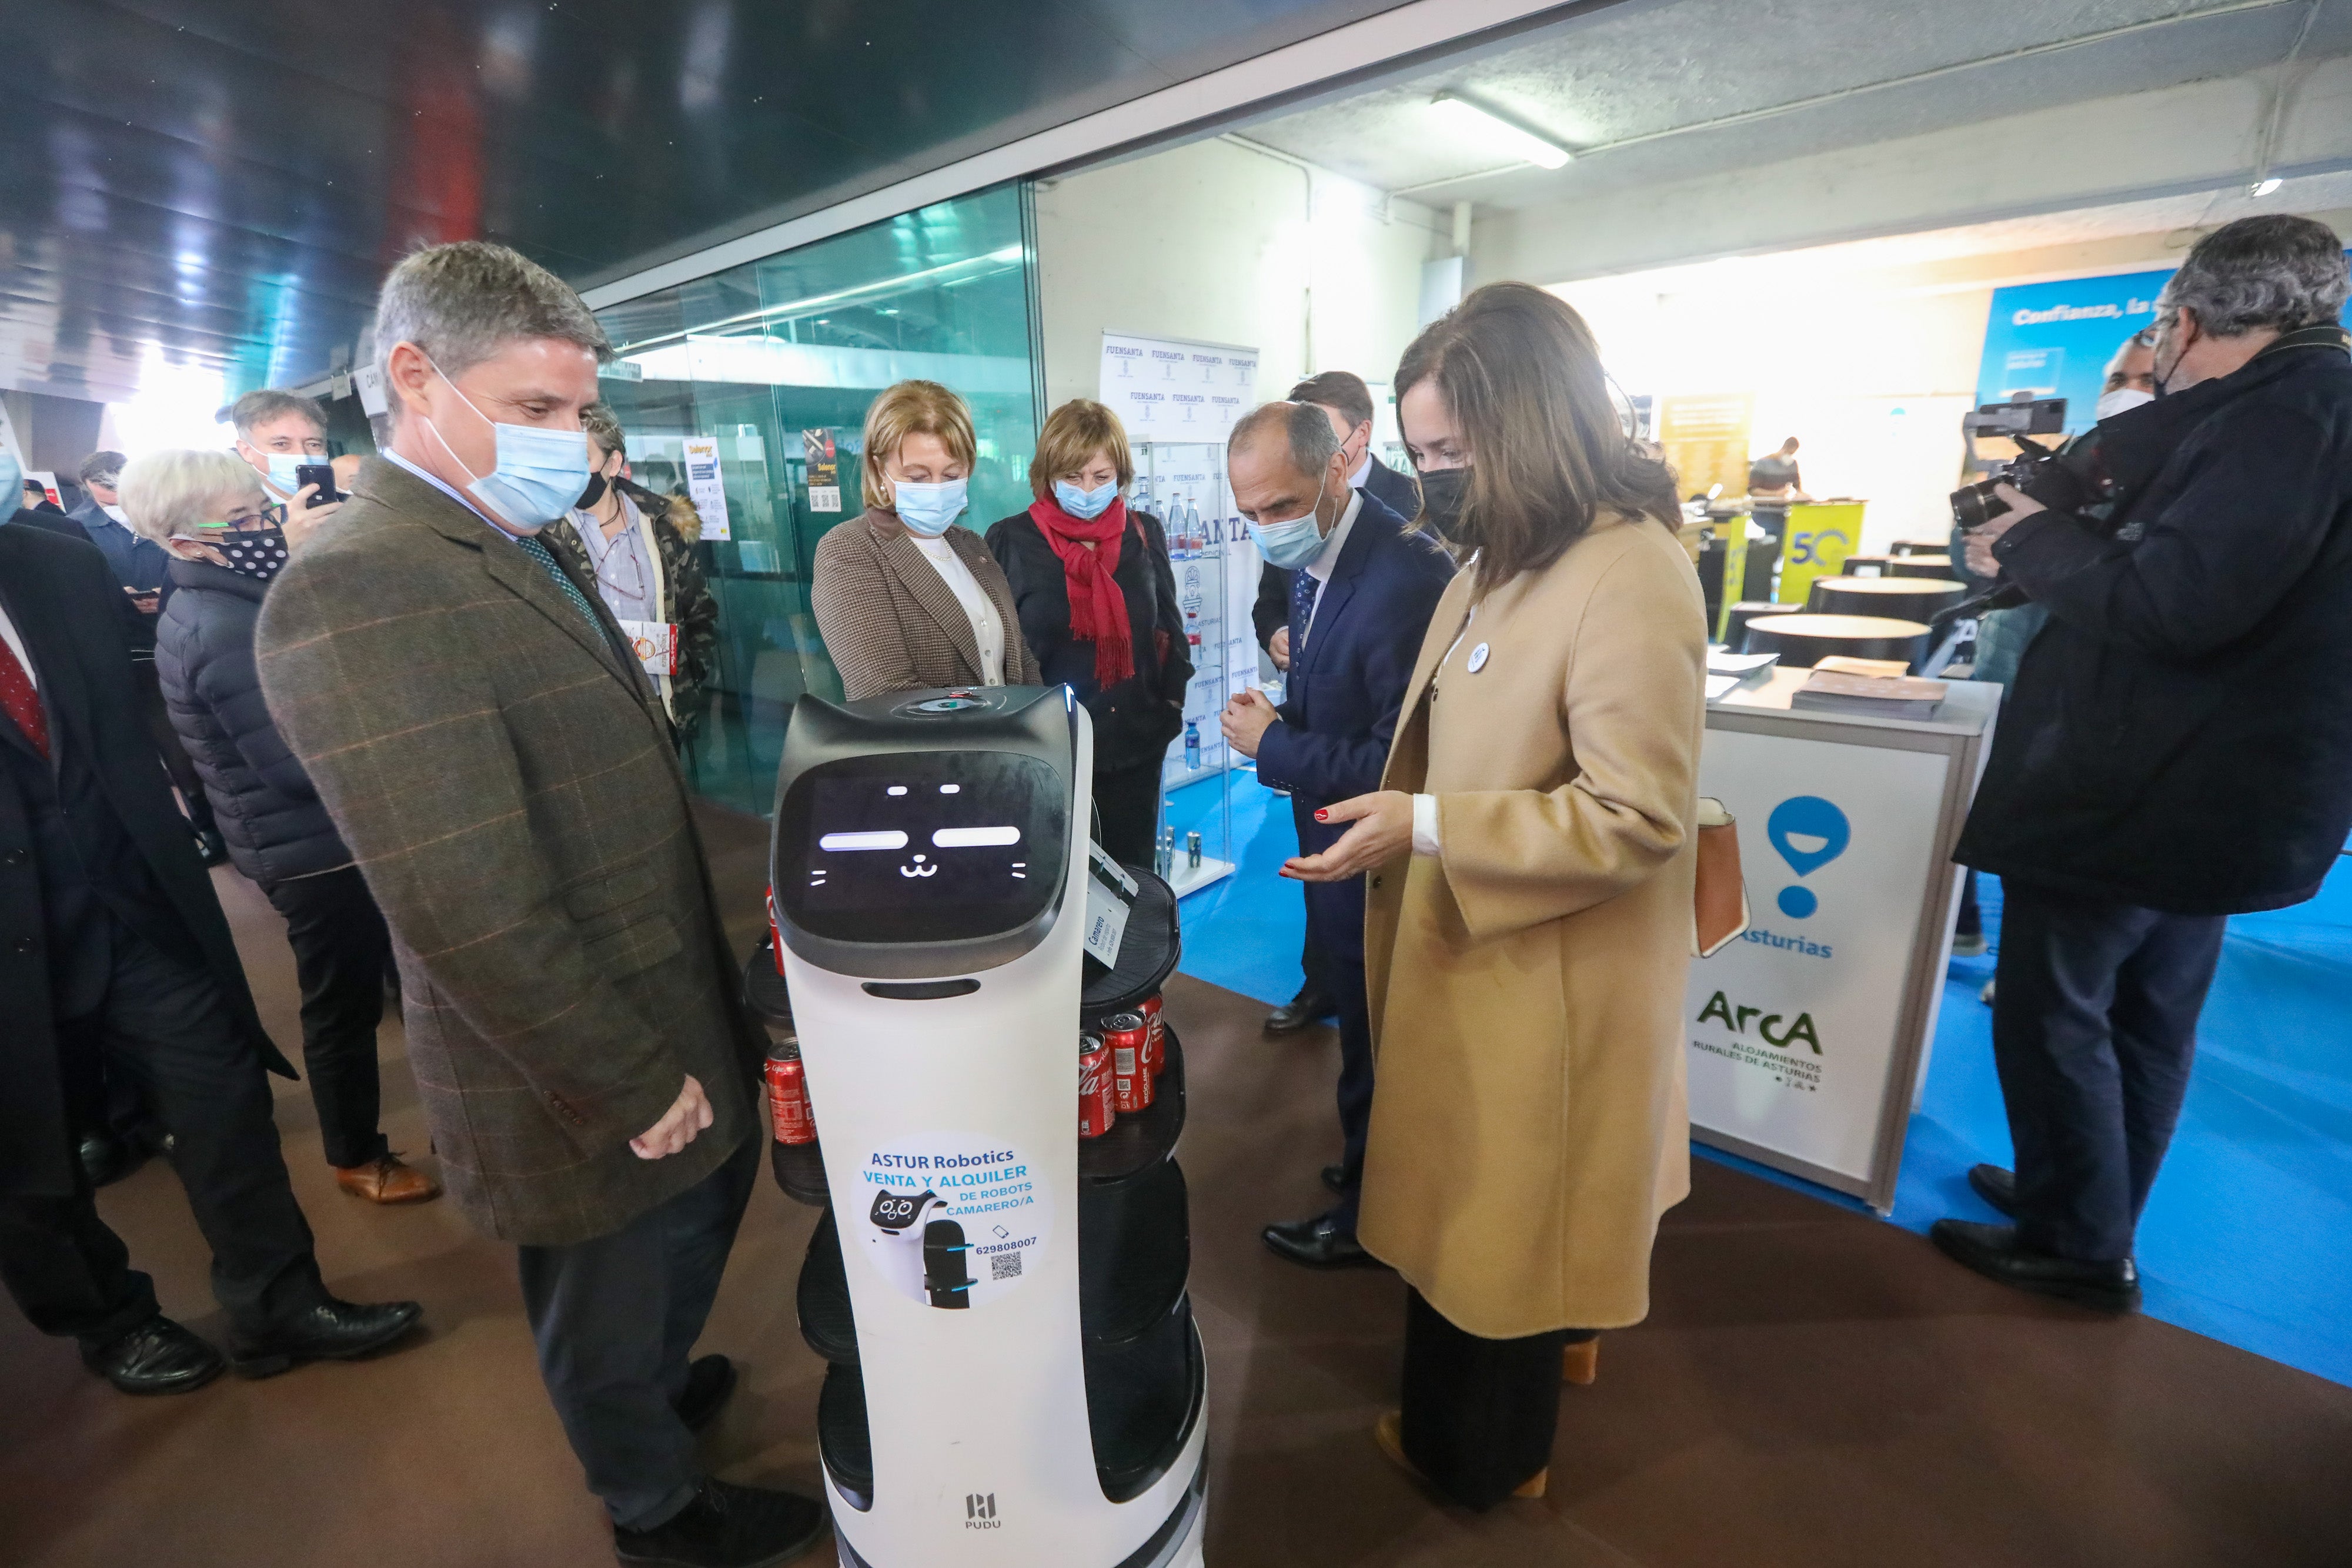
x=1293 y=544
x=1085 y=505
x=539 y=475
x=282 y=477
x=929 y=509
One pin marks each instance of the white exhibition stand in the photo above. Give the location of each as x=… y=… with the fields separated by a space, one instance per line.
x=1809 y=1036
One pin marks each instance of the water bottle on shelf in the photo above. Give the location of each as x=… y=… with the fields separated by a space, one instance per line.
x=1192 y=745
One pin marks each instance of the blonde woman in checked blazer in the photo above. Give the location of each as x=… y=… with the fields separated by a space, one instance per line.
x=905 y=599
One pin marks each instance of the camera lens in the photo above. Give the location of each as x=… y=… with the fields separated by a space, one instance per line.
x=1973 y=506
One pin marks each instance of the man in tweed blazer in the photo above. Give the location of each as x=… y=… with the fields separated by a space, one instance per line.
x=502 y=772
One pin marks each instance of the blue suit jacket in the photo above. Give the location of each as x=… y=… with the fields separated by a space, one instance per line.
x=138 y=562
x=1347 y=683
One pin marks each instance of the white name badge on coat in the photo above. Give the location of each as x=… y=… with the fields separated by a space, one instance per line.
x=654 y=643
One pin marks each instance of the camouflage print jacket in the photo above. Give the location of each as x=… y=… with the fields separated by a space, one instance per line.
x=686 y=596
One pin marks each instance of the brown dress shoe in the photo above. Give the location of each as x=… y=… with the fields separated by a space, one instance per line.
x=1388 y=1435
x=387 y=1178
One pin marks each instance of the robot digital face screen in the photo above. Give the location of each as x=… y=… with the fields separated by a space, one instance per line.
x=928 y=846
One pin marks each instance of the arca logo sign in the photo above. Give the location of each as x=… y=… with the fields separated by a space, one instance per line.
x=1736 y=1019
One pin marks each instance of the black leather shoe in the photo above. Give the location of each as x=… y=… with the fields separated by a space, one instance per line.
x=1996 y=1186
x=1318 y=1243
x=1993 y=1251
x=107 y=1159
x=332 y=1331
x=159 y=1357
x=709 y=1381
x=1336 y=1177
x=1301 y=1011
x=727 y=1526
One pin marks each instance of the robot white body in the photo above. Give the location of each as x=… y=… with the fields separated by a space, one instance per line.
x=946 y=1098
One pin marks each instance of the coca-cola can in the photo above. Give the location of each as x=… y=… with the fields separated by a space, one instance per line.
x=1098 y=1101
x=1130 y=1066
x=794 y=1120
x=1155 y=1045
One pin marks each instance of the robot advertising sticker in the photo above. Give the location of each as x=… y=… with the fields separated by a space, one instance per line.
x=955 y=1219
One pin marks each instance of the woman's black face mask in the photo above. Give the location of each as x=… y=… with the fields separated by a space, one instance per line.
x=591 y=495
x=1444 y=492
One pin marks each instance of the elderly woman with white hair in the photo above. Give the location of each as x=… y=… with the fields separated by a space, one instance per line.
x=208 y=510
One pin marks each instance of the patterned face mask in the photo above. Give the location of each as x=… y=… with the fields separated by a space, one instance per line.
x=256 y=553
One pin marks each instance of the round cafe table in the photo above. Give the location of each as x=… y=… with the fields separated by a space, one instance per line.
x=1904 y=598
x=1920 y=566
x=1804 y=640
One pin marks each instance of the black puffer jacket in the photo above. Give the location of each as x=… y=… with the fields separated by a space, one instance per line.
x=276 y=828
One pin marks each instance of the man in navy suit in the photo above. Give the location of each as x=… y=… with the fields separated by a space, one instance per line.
x=1347 y=403
x=1363 y=588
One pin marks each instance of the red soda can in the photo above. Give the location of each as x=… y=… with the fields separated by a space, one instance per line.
x=794 y=1120
x=1097 y=1102
x=775 y=935
x=1130 y=1069
x=1155 y=1046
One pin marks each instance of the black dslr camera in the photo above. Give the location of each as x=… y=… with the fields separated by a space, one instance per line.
x=2064 y=480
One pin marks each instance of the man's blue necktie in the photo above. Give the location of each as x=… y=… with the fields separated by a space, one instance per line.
x=1302 y=611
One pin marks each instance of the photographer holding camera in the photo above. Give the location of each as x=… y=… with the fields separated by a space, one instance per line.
x=2177 y=745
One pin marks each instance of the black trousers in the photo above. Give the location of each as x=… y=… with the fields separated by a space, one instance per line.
x=340 y=950
x=176 y=761
x=164 y=1024
x=1128 y=799
x=2094 y=1028
x=615 y=1320
x=1764 y=554
x=1335 y=940
x=1479 y=1414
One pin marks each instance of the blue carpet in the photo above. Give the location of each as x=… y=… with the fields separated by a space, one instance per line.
x=2248 y=1237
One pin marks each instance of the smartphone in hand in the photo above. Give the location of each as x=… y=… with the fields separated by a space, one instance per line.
x=323 y=474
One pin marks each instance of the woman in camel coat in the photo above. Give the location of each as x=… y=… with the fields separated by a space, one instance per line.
x=1531 y=855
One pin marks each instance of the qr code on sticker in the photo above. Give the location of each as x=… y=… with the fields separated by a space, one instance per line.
x=1004 y=1266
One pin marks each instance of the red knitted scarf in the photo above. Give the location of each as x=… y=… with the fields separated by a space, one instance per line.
x=1098 y=608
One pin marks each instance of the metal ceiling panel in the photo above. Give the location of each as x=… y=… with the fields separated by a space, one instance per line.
x=1651 y=93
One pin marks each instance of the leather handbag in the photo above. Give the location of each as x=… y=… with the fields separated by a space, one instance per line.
x=1720 y=903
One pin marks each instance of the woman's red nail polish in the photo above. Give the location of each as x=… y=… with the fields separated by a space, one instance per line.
x=1322 y=816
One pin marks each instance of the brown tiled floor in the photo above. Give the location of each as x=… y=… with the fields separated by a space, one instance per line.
x=1814 y=1388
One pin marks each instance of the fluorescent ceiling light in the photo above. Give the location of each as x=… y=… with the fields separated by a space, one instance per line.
x=1502 y=130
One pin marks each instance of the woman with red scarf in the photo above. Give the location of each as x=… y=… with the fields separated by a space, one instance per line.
x=1097 y=601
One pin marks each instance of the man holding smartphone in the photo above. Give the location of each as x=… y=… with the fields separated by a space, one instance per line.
x=281 y=434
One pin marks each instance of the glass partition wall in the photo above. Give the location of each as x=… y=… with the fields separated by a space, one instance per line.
x=763 y=373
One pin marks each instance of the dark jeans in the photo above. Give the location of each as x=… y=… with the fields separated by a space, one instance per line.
x=1479 y=1414
x=2093 y=1026
x=165 y=1025
x=1335 y=939
x=1128 y=799
x=615 y=1320
x=340 y=950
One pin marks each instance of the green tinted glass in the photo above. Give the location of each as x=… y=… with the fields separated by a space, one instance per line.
x=768 y=368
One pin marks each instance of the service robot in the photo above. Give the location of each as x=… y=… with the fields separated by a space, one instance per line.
x=1015 y=1377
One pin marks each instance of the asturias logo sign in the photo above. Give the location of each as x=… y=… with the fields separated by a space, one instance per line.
x=1809 y=833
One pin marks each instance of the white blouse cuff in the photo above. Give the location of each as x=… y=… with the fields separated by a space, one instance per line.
x=1424 y=825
